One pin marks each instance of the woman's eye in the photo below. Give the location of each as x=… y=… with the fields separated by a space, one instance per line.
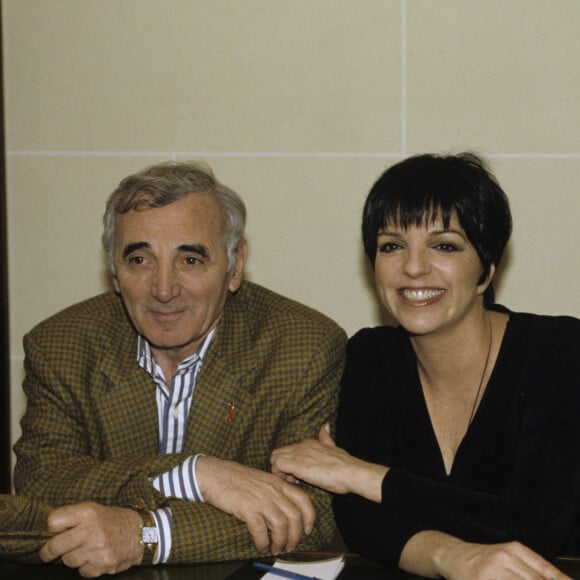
x=388 y=247
x=446 y=247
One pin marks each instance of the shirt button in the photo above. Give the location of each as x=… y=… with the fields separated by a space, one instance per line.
x=175 y=412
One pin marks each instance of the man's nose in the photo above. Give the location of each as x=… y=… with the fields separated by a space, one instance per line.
x=165 y=285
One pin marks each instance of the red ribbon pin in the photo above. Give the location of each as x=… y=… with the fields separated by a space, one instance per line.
x=230 y=412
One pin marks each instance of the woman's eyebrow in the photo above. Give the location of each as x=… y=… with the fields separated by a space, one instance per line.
x=449 y=231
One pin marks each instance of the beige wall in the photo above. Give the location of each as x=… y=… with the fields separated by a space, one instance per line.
x=299 y=105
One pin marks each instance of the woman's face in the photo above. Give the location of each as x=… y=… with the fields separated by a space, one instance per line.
x=427 y=276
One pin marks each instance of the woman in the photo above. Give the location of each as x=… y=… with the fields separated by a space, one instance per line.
x=458 y=432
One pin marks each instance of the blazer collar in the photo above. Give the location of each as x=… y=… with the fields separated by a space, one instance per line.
x=222 y=400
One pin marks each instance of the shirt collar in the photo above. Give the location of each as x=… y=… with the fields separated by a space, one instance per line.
x=146 y=360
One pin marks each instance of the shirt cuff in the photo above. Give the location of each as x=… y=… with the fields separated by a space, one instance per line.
x=181 y=481
x=164 y=521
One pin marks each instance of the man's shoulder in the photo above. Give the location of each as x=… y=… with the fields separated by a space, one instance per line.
x=100 y=314
x=263 y=306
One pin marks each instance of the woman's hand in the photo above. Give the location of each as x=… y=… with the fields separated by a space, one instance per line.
x=498 y=561
x=435 y=554
x=323 y=464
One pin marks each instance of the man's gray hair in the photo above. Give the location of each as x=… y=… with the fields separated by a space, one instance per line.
x=164 y=183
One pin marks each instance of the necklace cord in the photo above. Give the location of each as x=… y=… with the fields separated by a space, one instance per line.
x=472 y=414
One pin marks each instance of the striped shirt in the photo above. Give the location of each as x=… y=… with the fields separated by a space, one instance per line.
x=173 y=404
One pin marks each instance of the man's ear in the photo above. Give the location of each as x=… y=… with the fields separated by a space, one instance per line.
x=237 y=272
x=115 y=282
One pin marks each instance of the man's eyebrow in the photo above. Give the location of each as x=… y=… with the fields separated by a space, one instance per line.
x=130 y=248
x=199 y=249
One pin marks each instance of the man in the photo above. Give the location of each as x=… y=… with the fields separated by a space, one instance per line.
x=162 y=401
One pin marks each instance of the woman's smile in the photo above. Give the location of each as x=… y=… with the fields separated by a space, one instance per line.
x=421 y=296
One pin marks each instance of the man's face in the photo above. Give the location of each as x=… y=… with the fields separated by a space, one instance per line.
x=172 y=273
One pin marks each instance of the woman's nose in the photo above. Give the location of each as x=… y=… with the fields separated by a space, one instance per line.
x=416 y=262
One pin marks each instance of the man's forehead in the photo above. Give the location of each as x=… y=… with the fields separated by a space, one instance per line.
x=195 y=210
x=193 y=221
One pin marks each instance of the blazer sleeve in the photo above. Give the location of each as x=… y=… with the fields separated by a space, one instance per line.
x=60 y=454
x=202 y=532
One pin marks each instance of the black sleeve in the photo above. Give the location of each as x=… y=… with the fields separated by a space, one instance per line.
x=539 y=504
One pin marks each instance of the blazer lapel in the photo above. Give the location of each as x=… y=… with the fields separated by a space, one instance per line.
x=126 y=403
x=223 y=390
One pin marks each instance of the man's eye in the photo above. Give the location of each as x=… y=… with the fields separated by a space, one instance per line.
x=136 y=260
x=192 y=260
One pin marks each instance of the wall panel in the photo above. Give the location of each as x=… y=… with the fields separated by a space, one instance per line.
x=299 y=106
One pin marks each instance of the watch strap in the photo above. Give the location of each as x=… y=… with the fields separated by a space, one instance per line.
x=148 y=536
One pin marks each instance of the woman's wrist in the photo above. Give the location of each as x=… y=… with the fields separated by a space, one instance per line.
x=428 y=553
x=367 y=480
x=443 y=551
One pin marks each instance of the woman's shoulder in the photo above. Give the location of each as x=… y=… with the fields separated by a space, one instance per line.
x=370 y=345
x=376 y=369
x=544 y=327
x=548 y=343
x=376 y=336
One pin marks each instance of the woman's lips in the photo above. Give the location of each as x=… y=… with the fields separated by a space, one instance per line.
x=421 y=296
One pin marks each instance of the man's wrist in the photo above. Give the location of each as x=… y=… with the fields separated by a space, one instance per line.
x=148 y=535
x=194 y=477
x=180 y=481
x=149 y=538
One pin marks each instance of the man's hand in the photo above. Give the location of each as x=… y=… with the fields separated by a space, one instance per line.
x=276 y=513
x=93 y=538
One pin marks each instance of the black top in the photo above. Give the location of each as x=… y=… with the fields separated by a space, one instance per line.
x=516 y=474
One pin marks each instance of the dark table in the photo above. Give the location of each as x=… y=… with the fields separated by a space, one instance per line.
x=356 y=569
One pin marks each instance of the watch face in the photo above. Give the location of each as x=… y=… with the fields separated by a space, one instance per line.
x=149 y=535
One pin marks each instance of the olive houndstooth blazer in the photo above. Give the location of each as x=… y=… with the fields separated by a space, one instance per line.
x=90 y=428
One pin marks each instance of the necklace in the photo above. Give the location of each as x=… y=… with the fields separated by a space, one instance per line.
x=482 y=375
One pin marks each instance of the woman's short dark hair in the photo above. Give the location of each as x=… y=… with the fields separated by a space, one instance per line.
x=422 y=188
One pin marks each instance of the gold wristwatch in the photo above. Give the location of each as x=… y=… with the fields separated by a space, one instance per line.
x=148 y=535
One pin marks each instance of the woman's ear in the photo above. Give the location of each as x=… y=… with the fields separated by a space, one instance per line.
x=485 y=284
